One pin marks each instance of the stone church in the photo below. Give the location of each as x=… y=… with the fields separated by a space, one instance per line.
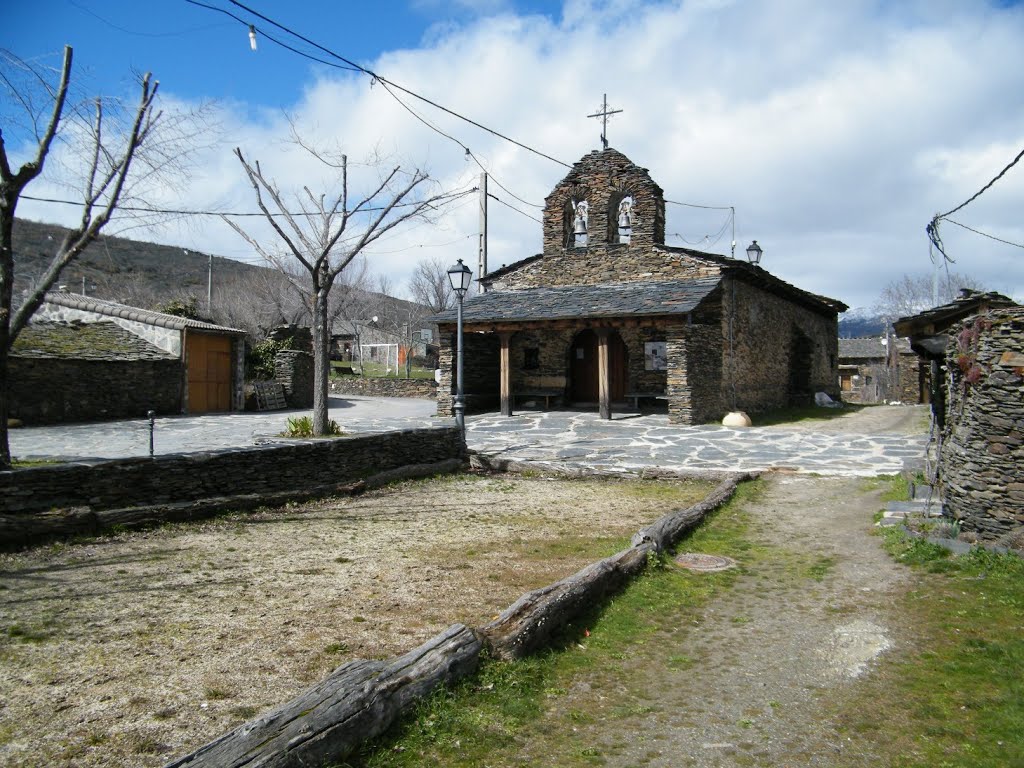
x=610 y=317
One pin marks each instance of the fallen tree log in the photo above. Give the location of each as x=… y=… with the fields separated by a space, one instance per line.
x=357 y=702
x=664 y=533
x=530 y=622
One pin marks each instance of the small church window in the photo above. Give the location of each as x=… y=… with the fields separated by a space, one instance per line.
x=531 y=359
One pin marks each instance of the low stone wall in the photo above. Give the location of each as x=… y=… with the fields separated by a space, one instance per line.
x=377 y=387
x=40 y=502
x=47 y=390
x=982 y=459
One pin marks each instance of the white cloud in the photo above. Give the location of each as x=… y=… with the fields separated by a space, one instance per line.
x=835 y=129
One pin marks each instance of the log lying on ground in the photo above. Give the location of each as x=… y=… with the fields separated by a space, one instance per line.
x=357 y=702
x=669 y=529
x=529 y=623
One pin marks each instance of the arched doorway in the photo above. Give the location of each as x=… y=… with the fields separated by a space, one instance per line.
x=583 y=370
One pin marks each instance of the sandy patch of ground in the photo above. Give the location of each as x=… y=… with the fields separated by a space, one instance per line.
x=130 y=650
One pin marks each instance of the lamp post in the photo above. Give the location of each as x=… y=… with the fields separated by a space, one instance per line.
x=460 y=277
x=754 y=253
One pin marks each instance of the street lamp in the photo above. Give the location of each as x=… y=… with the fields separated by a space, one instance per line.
x=460 y=277
x=754 y=253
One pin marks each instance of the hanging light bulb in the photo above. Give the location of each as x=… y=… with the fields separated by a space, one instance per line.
x=252 y=37
x=467 y=154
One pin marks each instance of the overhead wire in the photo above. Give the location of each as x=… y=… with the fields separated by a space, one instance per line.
x=507 y=205
x=377 y=77
x=932 y=228
x=984 y=234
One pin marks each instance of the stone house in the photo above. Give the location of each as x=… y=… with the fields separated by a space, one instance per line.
x=881 y=369
x=974 y=346
x=608 y=315
x=210 y=358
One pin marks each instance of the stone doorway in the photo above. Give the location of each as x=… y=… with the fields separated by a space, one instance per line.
x=583 y=369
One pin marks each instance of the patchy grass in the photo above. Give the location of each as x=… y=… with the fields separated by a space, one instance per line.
x=804 y=413
x=483 y=720
x=956 y=697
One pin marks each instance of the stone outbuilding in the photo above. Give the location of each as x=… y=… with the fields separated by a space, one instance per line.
x=210 y=358
x=608 y=316
x=881 y=369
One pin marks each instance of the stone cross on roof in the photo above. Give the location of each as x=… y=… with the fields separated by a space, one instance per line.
x=603 y=114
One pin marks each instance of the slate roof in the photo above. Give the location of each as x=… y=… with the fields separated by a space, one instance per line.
x=869 y=348
x=676 y=297
x=123 y=311
x=945 y=315
x=84 y=341
x=738 y=267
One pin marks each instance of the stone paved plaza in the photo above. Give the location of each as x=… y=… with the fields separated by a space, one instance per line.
x=630 y=441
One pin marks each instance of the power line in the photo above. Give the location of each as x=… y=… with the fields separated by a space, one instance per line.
x=985 y=234
x=707 y=207
x=377 y=77
x=236 y=214
x=978 y=194
x=522 y=213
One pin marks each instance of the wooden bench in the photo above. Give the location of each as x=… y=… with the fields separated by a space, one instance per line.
x=636 y=397
x=547 y=394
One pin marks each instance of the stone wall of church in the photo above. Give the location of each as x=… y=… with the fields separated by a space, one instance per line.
x=694 y=373
x=481 y=378
x=604 y=264
x=765 y=369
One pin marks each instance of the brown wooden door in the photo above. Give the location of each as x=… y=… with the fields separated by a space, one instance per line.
x=583 y=367
x=209 y=373
x=584 y=370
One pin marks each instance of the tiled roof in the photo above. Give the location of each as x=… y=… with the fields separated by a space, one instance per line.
x=84 y=341
x=676 y=297
x=123 y=311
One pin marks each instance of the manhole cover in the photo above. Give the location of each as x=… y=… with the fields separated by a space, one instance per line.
x=700 y=562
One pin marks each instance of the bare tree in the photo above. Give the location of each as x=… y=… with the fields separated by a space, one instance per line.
x=430 y=286
x=910 y=294
x=325 y=233
x=109 y=158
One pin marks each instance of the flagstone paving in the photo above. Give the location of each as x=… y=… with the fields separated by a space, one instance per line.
x=630 y=441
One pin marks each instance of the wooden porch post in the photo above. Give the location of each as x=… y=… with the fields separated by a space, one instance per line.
x=604 y=388
x=506 y=373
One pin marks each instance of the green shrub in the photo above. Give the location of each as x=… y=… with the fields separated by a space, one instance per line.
x=302 y=426
x=259 y=360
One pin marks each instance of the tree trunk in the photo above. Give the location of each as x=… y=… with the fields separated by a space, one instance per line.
x=328 y=722
x=6 y=306
x=321 y=361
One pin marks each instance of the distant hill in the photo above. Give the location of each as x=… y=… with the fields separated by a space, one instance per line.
x=859 y=323
x=115 y=268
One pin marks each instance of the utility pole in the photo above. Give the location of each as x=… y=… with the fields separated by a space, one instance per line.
x=482 y=250
x=209 y=287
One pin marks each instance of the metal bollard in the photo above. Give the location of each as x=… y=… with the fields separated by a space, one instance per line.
x=152 y=427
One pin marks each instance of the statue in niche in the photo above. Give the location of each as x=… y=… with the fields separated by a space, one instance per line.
x=625 y=219
x=579 y=227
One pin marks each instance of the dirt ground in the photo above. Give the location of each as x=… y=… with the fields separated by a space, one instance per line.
x=134 y=649
x=766 y=663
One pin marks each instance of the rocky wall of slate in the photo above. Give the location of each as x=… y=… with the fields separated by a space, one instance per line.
x=603 y=178
x=909 y=388
x=380 y=387
x=765 y=370
x=604 y=264
x=481 y=379
x=54 y=390
x=982 y=458
x=177 y=479
x=294 y=369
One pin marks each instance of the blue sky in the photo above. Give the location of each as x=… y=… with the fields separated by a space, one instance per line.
x=835 y=129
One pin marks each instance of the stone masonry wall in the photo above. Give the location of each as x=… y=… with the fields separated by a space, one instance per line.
x=180 y=478
x=604 y=264
x=52 y=390
x=982 y=459
x=763 y=329
x=294 y=369
x=380 y=387
x=480 y=379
